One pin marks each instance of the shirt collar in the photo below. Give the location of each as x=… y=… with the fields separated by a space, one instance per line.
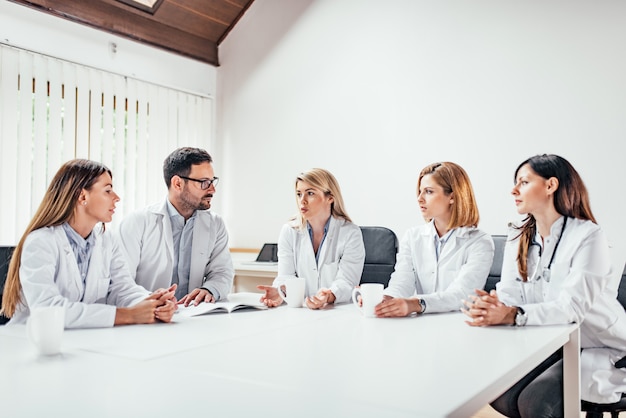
x=75 y=238
x=555 y=231
x=175 y=215
x=308 y=227
x=435 y=235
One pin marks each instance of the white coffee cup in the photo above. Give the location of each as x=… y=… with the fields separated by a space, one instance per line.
x=294 y=287
x=371 y=295
x=45 y=327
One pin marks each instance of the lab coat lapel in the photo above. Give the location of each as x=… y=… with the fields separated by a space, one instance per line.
x=454 y=241
x=330 y=242
x=428 y=266
x=305 y=260
x=166 y=226
x=69 y=259
x=94 y=272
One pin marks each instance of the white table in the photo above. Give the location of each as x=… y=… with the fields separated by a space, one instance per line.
x=280 y=362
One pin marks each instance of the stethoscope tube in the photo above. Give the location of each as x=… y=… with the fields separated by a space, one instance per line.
x=546 y=271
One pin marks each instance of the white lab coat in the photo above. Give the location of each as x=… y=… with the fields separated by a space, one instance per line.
x=49 y=276
x=582 y=289
x=145 y=236
x=463 y=266
x=341 y=258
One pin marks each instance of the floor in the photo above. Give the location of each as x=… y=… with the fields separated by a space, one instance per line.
x=489 y=412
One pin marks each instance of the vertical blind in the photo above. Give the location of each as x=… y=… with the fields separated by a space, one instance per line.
x=52 y=111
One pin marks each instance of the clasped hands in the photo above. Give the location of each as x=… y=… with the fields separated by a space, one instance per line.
x=163 y=303
x=160 y=305
x=485 y=308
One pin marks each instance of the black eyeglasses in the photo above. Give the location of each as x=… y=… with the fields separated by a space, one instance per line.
x=204 y=184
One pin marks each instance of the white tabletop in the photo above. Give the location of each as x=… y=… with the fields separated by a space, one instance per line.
x=278 y=362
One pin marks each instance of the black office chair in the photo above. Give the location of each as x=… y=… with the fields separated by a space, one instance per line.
x=496 y=266
x=596 y=410
x=5 y=259
x=381 y=247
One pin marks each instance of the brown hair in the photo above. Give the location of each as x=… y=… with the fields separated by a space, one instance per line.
x=570 y=199
x=453 y=179
x=57 y=207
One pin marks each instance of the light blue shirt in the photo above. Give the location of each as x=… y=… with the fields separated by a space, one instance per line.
x=182 y=235
x=82 y=249
x=319 y=250
x=440 y=242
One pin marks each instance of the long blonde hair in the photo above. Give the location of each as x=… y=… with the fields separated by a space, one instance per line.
x=323 y=180
x=56 y=208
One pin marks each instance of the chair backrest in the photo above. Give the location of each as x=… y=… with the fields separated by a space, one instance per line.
x=621 y=290
x=5 y=259
x=381 y=247
x=499 y=242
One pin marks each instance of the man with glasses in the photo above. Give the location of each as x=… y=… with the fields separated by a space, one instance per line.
x=179 y=241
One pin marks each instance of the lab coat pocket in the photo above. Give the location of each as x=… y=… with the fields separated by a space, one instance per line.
x=328 y=273
x=554 y=285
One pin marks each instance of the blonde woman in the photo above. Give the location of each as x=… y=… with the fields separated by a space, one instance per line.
x=444 y=260
x=64 y=260
x=320 y=244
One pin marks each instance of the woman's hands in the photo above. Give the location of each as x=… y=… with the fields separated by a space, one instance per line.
x=158 y=306
x=397 y=307
x=486 y=309
x=322 y=298
x=271 y=298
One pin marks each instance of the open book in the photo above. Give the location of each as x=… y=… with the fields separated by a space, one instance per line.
x=235 y=301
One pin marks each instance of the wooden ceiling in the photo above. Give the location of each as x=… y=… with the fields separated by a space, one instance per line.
x=193 y=28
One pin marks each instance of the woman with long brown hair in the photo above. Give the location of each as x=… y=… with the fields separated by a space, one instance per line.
x=557 y=270
x=64 y=260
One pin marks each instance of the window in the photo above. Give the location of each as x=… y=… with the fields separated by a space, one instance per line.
x=52 y=111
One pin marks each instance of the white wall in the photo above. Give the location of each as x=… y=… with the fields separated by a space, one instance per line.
x=375 y=90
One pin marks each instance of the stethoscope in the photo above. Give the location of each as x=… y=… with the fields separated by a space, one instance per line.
x=546 y=271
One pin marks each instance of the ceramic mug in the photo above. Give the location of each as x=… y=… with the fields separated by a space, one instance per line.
x=295 y=292
x=371 y=295
x=45 y=327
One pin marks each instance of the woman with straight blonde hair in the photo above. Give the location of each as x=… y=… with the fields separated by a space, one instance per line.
x=320 y=244
x=63 y=260
x=443 y=261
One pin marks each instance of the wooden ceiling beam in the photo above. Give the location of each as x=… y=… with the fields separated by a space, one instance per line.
x=107 y=16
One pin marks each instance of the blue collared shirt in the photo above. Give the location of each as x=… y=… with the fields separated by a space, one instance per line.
x=319 y=250
x=440 y=242
x=182 y=235
x=82 y=249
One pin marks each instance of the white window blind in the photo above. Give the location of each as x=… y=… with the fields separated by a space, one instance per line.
x=52 y=111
